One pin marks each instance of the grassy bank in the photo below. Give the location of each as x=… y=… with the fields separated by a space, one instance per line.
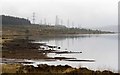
x=39 y=30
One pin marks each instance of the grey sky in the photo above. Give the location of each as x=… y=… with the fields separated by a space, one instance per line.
x=87 y=13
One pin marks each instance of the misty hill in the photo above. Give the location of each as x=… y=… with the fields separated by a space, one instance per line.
x=10 y=20
x=112 y=28
x=19 y=26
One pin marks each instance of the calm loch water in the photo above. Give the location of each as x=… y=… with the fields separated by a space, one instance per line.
x=103 y=48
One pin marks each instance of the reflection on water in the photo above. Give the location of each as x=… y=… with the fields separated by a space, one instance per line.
x=102 y=47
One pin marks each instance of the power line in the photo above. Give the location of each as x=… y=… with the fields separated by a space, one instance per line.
x=45 y=21
x=61 y=22
x=56 y=20
x=68 y=23
x=33 y=18
x=72 y=24
x=41 y=22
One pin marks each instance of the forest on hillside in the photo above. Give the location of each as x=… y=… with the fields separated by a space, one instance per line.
x=9 y=20
x=18 y=26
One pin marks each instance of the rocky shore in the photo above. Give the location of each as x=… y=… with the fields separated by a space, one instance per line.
x=26 y=49
x=44 y=69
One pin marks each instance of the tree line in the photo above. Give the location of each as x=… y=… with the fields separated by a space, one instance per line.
x=9 y=20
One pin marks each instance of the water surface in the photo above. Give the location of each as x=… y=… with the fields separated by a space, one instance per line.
x=103 y=48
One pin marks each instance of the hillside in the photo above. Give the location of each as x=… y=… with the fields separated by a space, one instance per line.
x=10 y=20
x=18 y=26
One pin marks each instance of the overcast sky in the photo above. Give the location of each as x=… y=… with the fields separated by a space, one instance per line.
x=86 y=13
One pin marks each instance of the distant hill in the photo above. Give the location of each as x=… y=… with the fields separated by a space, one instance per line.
x=10 y=20
x=112 y=28
x=60 y=26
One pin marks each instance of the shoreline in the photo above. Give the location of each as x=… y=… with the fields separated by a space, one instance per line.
x=28 y=54
x=51 y=69
x=26 y=62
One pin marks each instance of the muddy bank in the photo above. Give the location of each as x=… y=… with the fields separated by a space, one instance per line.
x=43 y=69
x=27 y=49
x=21 y=49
